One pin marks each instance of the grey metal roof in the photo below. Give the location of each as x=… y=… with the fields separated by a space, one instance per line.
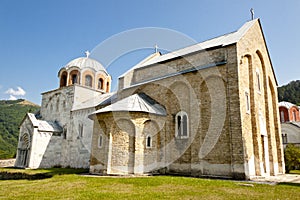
x=224 y=40
x=45 y=126
x=85 y=62
x=92 y=102
x=135 y=103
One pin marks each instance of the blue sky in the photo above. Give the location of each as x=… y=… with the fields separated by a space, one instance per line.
x=37 y=37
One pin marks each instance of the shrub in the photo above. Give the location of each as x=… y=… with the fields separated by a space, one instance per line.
x=291 y=157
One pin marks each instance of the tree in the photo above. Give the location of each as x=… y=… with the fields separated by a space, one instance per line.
x=291 y=157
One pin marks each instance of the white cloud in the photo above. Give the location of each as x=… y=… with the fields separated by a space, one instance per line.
x=11 y=97
x=18 y=92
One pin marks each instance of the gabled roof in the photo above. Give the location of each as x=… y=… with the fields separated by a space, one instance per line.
x=134 y=103
x=221 y=41
x=44 y=126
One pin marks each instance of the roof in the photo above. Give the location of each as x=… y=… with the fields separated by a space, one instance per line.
x=286 y=104
x=45 y=126
x=85 y=62
x=92 y=102
x=221 y=41
x=134 y=103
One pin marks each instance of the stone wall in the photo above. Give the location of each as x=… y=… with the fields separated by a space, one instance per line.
x=7 y=163
x=260 y=118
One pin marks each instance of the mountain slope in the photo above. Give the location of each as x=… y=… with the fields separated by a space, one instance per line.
x=290 y=92
x=11 y=114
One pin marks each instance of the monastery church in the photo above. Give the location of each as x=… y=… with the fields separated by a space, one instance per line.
x=209 y=109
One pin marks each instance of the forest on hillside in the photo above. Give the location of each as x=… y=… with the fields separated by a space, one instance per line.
x=290 y=92
x=12 y=113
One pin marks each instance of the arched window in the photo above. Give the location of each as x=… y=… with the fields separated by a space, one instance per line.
x=80 y=130
x=100 y=141
x=294 y=115
x=100 y=84
x=282 y=116
x=148 y=141
x=63 y=79
x=107 y=86
x=74 y=79
x=258 y=81
x=182 y=125
x=88 y=80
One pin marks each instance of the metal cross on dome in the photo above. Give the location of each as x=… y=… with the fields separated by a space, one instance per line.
x=87 y=53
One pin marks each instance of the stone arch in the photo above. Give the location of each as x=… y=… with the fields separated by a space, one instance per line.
x=100 y=84
x=279 y=151
x=88 y=80
x=284 y=114
x=74 y=77
x=24 y=150
x=123 y=147
x=152 y=155
x=182 y=92
x=255 y=137
x=63 y=79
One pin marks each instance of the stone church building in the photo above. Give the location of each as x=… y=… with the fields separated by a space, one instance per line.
x=209 y=109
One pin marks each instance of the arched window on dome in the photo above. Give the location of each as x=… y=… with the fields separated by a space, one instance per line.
x=74 y=77
x=100 y=84
x=107 y=86
x=63 y=79
x=88 y=80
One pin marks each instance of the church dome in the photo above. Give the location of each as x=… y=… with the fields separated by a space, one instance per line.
x=86 y=72
x=85 y=62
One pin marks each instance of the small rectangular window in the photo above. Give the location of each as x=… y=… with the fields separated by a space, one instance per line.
x=100 y=141
x=148 y=142
x=284 y=138
x=247 y=102
x=258 y=81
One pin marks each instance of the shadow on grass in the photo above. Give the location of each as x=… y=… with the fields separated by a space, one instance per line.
x=39 y=174
x=289 y=184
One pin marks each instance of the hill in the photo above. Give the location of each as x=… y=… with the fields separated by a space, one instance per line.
x=11 y=114
x=290 y=92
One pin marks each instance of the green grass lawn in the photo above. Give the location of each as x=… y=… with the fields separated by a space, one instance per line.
x=67 y=184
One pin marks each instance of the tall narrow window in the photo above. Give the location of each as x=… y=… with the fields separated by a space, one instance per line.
x=80 y=130
x=148 y=141
x=284 y=138
x=100 y=141
x=247 y=102
x=294 y=115
x=281 y=116
x=88 y=81
x=107 y=86
x=182 y=125
x=74 y=78
x=100 y=84
x=258 y=81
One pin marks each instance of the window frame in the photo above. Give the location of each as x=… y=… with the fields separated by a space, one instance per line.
x=90 y=78
x=148 y=145
x=100 y=141
x=248 y=105
x=183 y=125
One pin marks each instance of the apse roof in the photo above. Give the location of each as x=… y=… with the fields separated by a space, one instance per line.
x=135 y=103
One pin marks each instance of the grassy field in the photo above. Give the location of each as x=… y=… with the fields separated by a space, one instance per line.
x=67 y=184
